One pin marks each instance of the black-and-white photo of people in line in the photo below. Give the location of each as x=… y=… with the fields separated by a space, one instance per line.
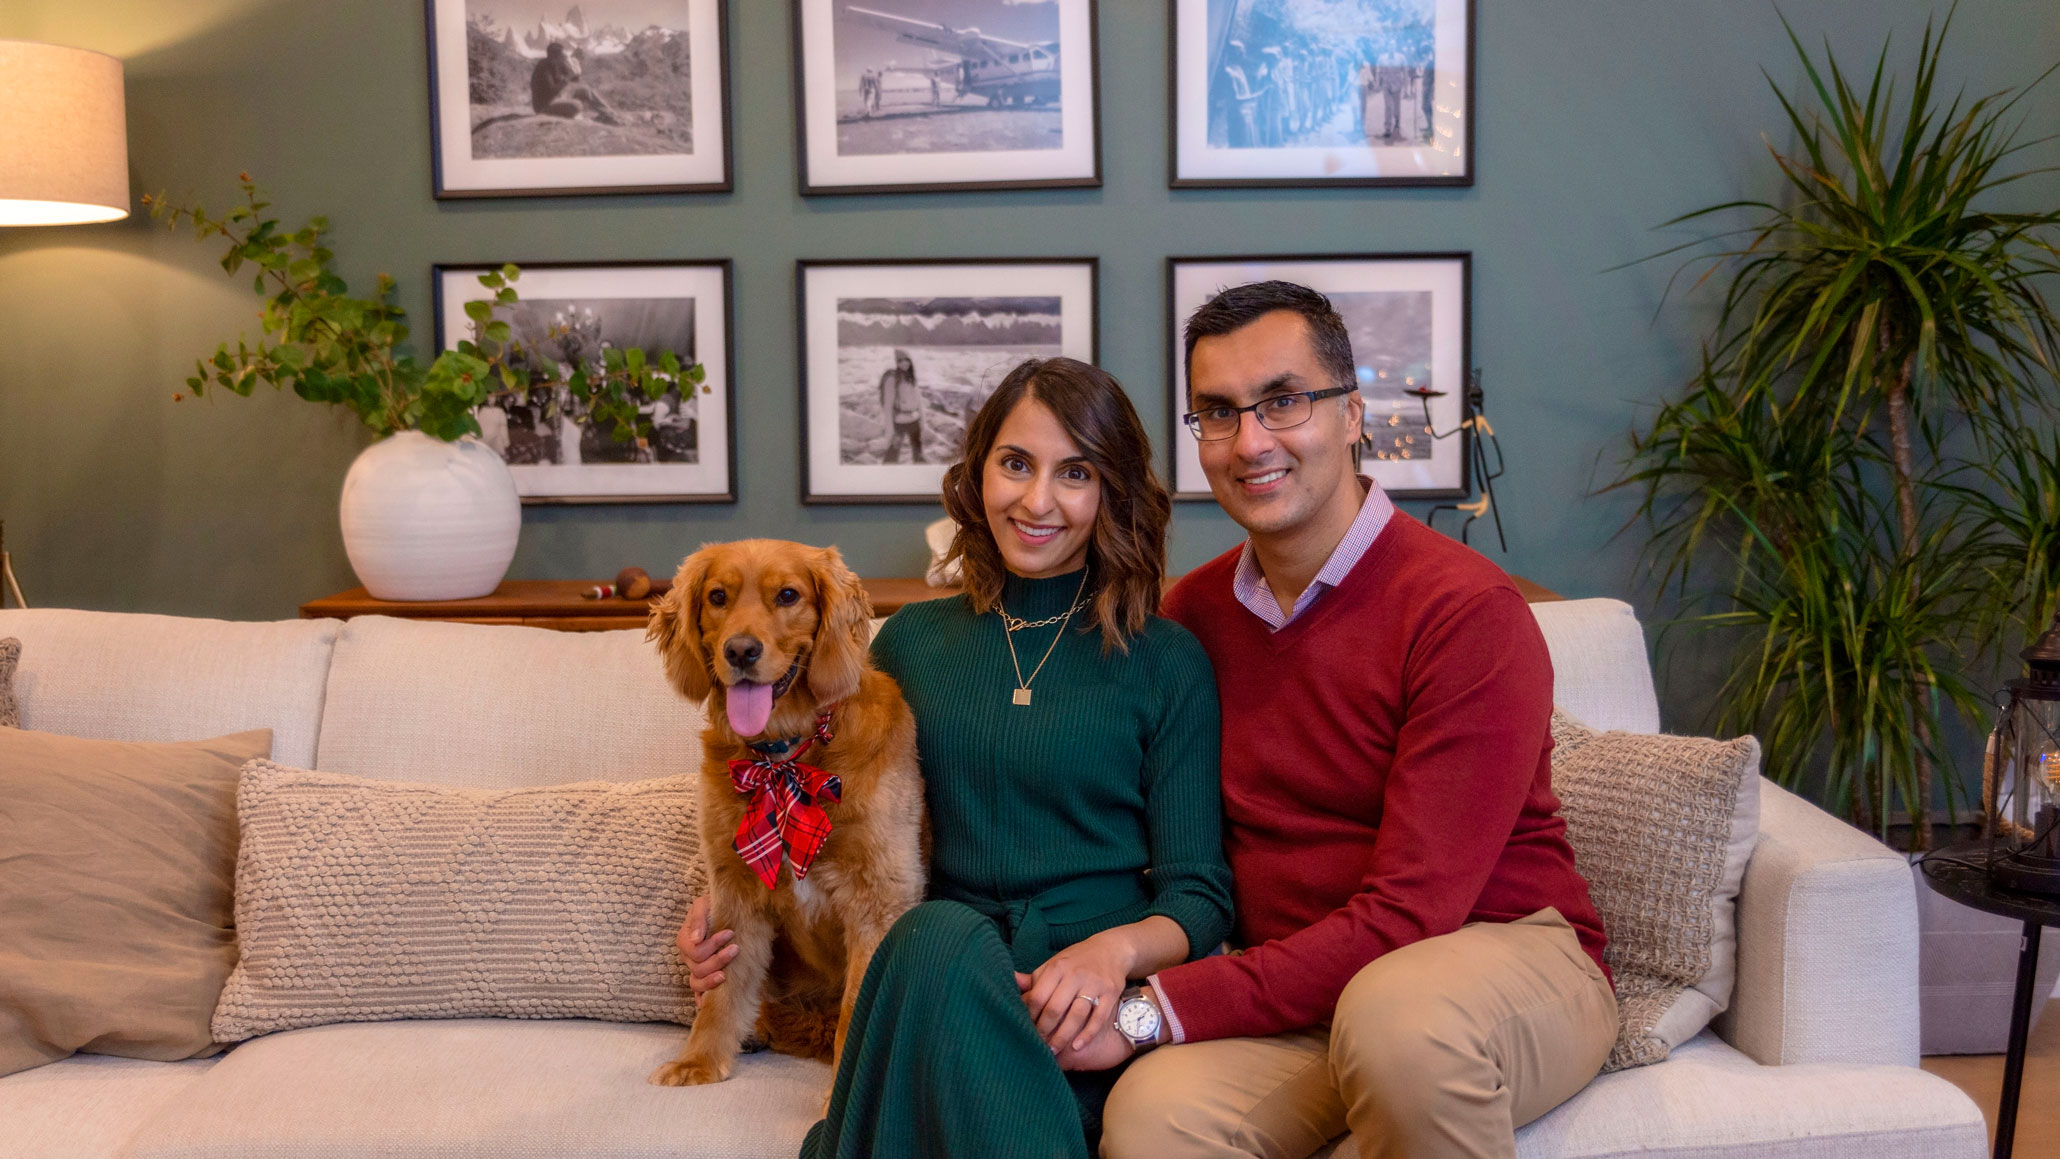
x=1328 y=73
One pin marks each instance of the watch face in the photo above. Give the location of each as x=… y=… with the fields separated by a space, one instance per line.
x=1138 y=1019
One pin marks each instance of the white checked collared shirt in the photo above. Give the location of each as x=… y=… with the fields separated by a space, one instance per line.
x=1249 y=582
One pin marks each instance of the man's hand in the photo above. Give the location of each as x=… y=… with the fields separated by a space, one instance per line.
x=705 y=954
x=1104 y=1050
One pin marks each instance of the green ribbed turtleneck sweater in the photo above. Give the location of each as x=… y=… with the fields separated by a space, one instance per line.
x=1097 y=804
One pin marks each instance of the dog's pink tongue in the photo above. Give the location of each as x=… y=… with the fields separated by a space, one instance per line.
x=750 y=707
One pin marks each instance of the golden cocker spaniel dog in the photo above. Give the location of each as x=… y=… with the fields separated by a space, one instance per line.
x=811 y=805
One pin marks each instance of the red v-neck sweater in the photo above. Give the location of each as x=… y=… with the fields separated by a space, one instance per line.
x=1386 y=777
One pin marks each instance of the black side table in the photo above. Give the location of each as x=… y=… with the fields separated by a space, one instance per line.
x=1958 y=872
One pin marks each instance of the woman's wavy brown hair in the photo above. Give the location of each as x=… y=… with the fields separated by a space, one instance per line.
x=1127 y=555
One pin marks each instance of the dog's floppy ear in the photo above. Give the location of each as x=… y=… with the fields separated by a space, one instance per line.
x=843 y=629
x=675 y=626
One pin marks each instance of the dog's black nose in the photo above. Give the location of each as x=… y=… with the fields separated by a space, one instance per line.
x=742 y=651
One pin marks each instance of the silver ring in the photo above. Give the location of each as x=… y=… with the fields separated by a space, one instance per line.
x=1091 y=999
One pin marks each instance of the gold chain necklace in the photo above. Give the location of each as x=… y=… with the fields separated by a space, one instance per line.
x=1010 y=625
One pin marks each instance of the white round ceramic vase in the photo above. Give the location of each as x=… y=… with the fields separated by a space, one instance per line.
x=428 y=520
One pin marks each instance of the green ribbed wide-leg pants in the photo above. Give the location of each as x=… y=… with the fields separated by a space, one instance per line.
x=942 y=1059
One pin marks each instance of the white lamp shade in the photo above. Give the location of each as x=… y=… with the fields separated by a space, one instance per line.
x=64 y=142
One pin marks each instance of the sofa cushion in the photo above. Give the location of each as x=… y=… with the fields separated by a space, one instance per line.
x=1708 y=1101
x=1662 y=827
x=486 y=1088
x=115 y=912
x=1600 y=671
x=88 y=1106
x=119 y=676
x=10 y=656
x=359 y=899
x=501 y=707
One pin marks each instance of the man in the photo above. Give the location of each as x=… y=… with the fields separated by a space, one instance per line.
x=1422 y=965
x=555 y=88
x=1244 y=97
x=1363 y=80
x=901 y=404
x=1394 y=82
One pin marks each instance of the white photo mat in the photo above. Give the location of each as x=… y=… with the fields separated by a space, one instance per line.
x=1447 y=160
x=1193 y=281
x=1076 y=161
x=826 y=477
x=460 y=174
x=712 y=478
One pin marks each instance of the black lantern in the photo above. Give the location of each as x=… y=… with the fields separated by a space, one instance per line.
x=2022 y=785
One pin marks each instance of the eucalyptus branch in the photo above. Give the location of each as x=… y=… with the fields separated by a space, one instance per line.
x=330 y=347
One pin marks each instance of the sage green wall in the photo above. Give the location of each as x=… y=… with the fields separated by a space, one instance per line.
x=1596 y=120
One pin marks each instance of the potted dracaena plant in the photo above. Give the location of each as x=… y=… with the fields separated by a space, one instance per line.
x=428 y=511
x=1860 y=487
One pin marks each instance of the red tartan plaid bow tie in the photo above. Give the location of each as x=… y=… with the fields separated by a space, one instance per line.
x=782 y=815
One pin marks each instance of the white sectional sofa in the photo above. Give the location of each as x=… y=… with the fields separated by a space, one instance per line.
x=1816 y=1058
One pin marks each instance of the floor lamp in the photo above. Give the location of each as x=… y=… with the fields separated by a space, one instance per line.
x=65 y=142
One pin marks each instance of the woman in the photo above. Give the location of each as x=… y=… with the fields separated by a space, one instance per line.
x=901 y=405
x=1068 y=740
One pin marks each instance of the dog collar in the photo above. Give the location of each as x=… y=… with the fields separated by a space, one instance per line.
x=777 y=751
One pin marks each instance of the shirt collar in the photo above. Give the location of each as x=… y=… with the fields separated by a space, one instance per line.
x=1249 y=585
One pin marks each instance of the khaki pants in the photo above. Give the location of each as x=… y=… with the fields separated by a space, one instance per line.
x=1442 y=1048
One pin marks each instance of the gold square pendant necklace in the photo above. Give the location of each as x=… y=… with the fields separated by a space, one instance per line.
x=1010 y=625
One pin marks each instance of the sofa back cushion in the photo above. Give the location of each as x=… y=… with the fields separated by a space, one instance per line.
x=491 y=707
x=119 y=676
x=1600 y=671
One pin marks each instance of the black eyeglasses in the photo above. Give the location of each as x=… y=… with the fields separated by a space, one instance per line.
x=1275 y=412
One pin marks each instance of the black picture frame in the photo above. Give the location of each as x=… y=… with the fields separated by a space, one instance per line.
x=442 y=274
x=816 y=492
x=1175 y=140
x=447 y=186
x=813 y=183
x=1445 y=411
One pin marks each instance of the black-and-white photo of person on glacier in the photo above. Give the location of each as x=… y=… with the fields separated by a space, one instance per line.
x=537 y=427
x=910 y=370
x=1328 y=73
x=947 y=76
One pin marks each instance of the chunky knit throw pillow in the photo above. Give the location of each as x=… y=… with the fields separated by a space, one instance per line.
x=1662 y=827
x=10 y=709
x=362 y=900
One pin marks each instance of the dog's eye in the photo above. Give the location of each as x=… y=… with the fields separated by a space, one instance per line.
x=718 y=597
x=787 y=597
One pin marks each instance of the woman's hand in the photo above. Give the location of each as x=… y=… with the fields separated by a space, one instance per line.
x=705 y=954
x=1072 y=997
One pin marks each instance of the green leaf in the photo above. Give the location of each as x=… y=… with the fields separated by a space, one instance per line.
x=479 y=311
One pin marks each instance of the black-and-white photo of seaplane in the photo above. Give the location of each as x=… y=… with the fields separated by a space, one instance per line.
x=965 y=68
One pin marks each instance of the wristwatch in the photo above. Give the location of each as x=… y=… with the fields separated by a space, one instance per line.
x=1138 y=1018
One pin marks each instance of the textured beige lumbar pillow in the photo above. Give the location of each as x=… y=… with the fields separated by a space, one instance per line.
x=10 y=709
x=1662 y=827
x=362 y=900
x=117 y=862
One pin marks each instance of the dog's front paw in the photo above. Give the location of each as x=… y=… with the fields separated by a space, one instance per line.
x=690 y=1072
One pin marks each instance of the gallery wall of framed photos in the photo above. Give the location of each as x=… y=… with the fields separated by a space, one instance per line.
x=937 y=96
x=1556 y=137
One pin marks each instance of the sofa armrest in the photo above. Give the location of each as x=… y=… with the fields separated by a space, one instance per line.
x=1827 y=943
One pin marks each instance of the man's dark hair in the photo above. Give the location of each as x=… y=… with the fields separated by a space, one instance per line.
x=1240 y=306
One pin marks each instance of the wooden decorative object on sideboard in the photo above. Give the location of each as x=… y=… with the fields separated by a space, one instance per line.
x=561 y=604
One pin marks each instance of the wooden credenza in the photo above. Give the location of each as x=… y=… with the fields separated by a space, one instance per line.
x=558 y=604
